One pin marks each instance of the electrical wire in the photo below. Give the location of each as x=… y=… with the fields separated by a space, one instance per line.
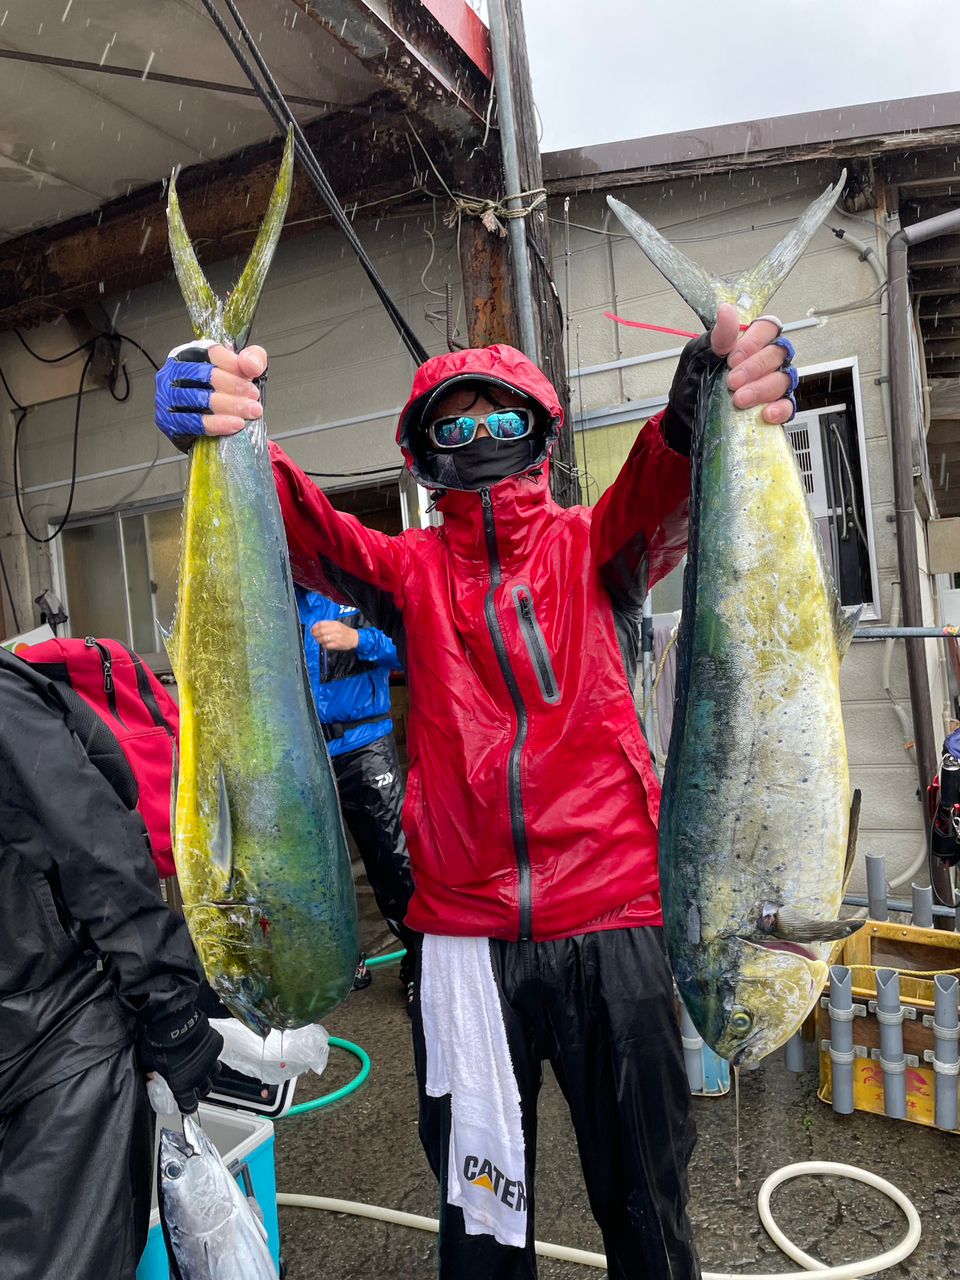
x=49 y=359
x=349 y=475
x=283 y=117
x=6 y=583
x=73 y=468
x=6 y=387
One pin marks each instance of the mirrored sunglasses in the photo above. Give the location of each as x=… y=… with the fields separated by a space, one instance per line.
x=505 y=424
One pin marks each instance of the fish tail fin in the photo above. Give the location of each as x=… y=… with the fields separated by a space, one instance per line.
x=242 y=303
x=203 y=306
x=751 y=291
x=211 y=318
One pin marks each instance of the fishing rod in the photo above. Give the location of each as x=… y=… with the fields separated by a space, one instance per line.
x=279 y=110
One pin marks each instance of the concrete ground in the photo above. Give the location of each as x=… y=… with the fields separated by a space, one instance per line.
x=367 y=1149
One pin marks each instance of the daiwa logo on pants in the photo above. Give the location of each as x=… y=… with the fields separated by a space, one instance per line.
x=483 y=1173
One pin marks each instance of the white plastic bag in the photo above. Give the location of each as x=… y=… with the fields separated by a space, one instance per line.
x=284 y=1054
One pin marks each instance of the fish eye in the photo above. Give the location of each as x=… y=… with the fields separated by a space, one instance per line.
x=173 y=1170
x=741 y=1021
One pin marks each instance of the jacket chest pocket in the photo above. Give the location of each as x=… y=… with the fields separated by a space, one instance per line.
x=536 y=645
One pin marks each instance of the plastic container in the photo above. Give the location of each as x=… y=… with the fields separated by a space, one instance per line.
x=244 y=1140
x=916 y=954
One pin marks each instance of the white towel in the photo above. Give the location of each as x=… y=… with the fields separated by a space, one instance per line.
x=468 y=1057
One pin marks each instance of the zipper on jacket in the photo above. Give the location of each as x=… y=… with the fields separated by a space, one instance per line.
x=106 y=662
x=517 y=824
x=536 y=644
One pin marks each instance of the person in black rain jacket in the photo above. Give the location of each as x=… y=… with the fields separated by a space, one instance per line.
x=98 y=983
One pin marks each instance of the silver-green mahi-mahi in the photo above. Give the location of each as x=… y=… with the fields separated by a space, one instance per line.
x=757 y=824
x=259 y=844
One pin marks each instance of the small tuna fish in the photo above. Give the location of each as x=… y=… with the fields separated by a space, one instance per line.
x=757 y=829
x=258 y=838
x=210 y=1228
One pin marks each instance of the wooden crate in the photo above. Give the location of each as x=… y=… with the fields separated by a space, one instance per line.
x=917 y=955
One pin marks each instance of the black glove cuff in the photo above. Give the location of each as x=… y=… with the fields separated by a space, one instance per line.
x=177 y=1029
x=697 y=363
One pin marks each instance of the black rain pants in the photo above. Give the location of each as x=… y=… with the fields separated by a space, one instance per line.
x=370 y=784
x=600 y=1008
x=76 y=1173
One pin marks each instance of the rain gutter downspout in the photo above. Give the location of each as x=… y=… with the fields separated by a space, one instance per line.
x=517 y=227
x=903 y=430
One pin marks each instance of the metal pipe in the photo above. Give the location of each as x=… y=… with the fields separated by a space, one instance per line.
x=842 y=1053
x=904 y=431
x=900 y=904
x=876 y=886
x=793 y=1055
x=517 y=227
x=903 y=633
x=892 y=1060
x=868 y=254
x=946 y=1049
x=922 y=906
x=692 y=1051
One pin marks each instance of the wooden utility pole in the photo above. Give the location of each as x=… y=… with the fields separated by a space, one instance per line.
x=547 y=309
x=489 y=280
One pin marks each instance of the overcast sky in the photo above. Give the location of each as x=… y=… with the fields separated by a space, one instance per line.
x=610 y=69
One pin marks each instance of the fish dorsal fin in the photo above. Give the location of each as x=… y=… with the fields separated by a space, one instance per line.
x=750 y=291
x=171 y=642
x=852 y=832
x=845 y=627
x=221 y=846
x=791 y=926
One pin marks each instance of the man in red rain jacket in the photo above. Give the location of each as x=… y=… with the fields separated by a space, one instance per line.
x=531 y=807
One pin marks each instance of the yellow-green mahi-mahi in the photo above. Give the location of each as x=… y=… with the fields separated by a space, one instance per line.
x=259 y=843
x=757 y=825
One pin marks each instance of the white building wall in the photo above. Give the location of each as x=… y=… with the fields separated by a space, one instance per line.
x=354 y=366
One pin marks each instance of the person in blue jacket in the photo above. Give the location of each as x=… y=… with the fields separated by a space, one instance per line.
x=349 y=664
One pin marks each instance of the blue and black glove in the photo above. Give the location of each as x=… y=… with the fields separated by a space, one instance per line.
x=183 y=393
x=697 y=363
x=184 y=388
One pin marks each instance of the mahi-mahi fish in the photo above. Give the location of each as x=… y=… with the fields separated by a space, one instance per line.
x=209 y=1226
x=758 y=823
x=259 y=844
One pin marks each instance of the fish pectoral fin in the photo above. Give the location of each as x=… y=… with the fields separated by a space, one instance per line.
x=853 y=831
x=221 y=846
x=790 y=926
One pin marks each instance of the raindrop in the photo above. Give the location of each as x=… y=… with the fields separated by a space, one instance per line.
x=106 y=50
x=67 y=10
x=4 y=18
x=146 y=69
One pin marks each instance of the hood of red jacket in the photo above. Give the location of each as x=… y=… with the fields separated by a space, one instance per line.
x=498 y=364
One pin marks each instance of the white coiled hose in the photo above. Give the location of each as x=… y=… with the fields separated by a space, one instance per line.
x=848 y=1271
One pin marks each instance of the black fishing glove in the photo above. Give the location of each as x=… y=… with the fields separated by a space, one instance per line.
x=697 y=362
x=183 y=1048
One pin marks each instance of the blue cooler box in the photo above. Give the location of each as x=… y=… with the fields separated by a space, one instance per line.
x=246 y=1143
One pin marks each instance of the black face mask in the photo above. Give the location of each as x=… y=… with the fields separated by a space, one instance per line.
x=485 y=460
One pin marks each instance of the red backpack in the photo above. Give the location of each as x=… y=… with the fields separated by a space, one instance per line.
x=118 y=685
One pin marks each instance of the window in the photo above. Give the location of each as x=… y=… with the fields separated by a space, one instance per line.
x=829 y=441
x=118 y=576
